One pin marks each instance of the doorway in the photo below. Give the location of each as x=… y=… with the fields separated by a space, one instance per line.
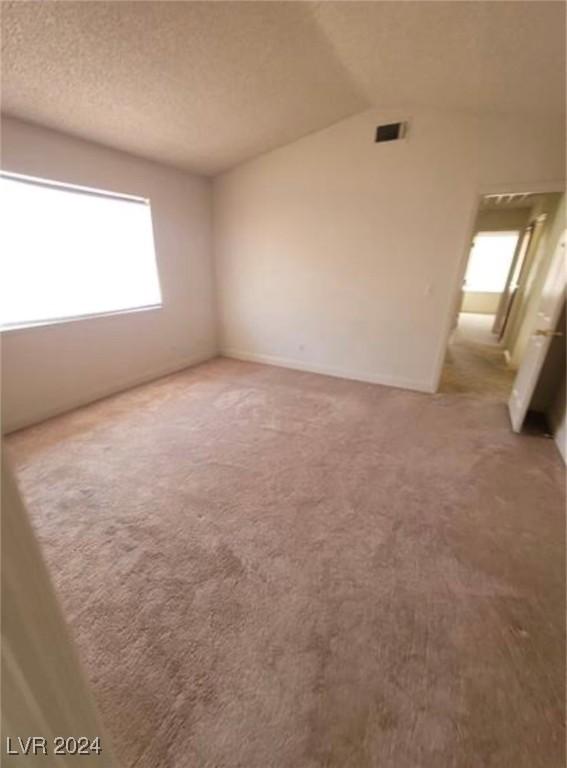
x=503 y=279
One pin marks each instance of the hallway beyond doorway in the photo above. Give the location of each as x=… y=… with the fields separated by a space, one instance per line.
x=475 y=363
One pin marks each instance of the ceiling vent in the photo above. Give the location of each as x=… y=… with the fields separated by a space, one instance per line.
x=390 y=132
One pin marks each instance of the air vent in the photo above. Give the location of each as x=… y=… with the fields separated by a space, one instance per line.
x=390 y=132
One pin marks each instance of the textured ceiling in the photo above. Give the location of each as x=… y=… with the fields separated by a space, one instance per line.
x=206 y=85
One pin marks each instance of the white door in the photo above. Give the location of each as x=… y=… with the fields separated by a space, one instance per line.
x=44 y=689
x=549 y=311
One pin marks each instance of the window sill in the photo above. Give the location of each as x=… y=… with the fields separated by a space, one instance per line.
x=16 y=327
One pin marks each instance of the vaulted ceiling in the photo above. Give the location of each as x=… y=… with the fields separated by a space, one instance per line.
x=206 y=85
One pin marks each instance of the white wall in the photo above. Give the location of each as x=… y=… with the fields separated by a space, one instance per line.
x=50 y=369
x=480 y=302
x=339 y=255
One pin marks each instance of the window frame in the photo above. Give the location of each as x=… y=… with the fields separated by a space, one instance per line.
x=8 y=328
x=492 y=233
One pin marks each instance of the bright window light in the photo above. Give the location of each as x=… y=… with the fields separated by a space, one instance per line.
x=68 y=252
x=490 y=261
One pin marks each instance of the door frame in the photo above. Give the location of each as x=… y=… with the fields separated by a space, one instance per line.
x=508 y=295
x=537 y=188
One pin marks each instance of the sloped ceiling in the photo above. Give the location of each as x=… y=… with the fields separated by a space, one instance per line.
x=206 y=85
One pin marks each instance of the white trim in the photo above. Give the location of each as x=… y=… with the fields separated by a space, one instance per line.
x=509 y=362
x=447 y=326
x=11 y=327
x=341 y=373
x=560 y=439
x=99 y=393
x=38 y=181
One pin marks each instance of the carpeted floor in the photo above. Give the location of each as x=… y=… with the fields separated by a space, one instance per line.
x=272 y=569
x=475 y=364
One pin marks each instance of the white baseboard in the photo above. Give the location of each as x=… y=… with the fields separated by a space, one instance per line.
x=508 y=359
x=341 y=373
x=99 y=393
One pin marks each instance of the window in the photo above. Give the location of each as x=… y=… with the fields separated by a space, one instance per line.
x=69 y=252
x=490 y=260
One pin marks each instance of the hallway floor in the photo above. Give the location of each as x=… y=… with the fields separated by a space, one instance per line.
x=475 y=364
x=265 y=568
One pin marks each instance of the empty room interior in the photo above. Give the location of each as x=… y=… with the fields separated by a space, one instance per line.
x=282 y=311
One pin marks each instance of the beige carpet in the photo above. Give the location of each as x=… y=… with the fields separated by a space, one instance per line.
x=475 y=364
x=267 y=568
